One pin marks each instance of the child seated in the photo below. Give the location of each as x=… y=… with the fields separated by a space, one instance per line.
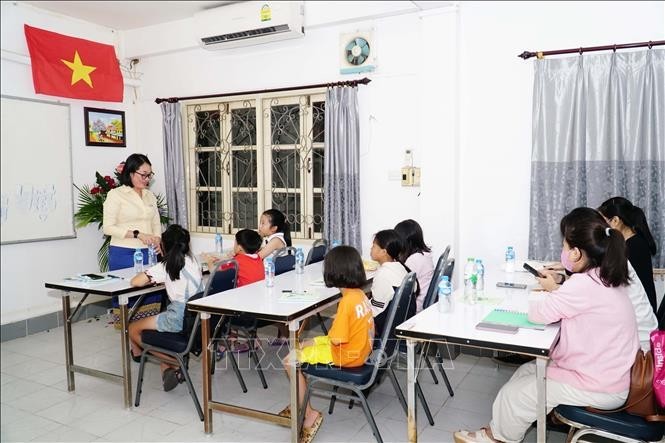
x=349 y=341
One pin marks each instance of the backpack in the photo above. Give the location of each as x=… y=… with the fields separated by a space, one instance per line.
x=657 y=339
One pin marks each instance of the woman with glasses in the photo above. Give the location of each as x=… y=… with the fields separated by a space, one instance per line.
x=132 y=220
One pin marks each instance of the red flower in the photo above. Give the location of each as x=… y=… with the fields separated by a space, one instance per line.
x=95 y=190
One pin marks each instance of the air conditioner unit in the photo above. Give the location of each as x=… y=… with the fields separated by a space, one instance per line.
x=249 y=23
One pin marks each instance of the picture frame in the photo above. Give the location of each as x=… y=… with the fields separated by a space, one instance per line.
x=105 y=127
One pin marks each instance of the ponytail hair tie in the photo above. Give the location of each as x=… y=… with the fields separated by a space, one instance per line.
x=607 y=232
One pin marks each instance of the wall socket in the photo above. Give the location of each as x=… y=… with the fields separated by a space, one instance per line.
x=410 y=176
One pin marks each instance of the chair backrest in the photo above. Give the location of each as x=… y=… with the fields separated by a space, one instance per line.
x=448 y=270
x=284 y=259
x=438 y=272
x=223 y=277
x=396 y=315
x=317 y=252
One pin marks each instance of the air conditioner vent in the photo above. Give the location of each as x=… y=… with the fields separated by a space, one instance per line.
x=245 y=34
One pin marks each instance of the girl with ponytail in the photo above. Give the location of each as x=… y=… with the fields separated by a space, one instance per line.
x=630 y=221
x=591 y=363
x=181 y=274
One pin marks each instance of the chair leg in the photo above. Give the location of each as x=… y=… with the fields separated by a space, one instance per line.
x=398 y=390
x=139 y=381
x=421 y=396
x=439 y=360
x=428 y=363
x=234 y=364
x=323 y=325
x=252 y=353
x=190 y=386
x=370 y=417
x=333 y=399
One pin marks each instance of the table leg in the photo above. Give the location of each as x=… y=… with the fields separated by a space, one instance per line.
x=412 y=429
x=541 y=364
x=69 y=351
x=205 y=365
x=123 y=300
x=293 y=377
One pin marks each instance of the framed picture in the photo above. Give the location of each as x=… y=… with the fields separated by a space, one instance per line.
x=105 y=127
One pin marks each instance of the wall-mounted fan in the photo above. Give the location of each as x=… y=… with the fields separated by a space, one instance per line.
x=357 y=53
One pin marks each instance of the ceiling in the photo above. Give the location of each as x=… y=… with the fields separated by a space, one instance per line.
x=123 y=15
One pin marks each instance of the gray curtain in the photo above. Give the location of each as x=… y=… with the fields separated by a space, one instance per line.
x=598 y=132
x=341 y=168
x=174 y=163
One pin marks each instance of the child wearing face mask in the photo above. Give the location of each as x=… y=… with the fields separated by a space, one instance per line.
x=591 y=363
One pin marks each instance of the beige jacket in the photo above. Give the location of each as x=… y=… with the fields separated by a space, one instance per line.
x=125 y=211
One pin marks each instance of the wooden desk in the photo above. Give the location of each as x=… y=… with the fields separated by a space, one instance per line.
x=459 y=327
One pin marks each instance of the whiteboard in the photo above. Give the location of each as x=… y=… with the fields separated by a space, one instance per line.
x=37 y=193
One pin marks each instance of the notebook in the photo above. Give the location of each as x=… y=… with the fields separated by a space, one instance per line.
x=301 y=296
x=511 y=318
x=91 y=278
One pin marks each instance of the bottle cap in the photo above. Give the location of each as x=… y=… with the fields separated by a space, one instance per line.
x=444 y=278
x=469 y=259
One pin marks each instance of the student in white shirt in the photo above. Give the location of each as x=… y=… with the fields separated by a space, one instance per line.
x=416 y=256
x=386 y=249
x=275 y=230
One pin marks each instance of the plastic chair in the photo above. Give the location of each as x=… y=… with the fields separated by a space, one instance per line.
x=619 y=426
x=245 y=325
x=284 y=259
x=178 y=345
x=359 y=379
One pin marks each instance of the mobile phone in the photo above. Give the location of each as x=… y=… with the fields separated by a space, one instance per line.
x=505 y=284
x=496 y=327
x=94 y=276
x=532 y=270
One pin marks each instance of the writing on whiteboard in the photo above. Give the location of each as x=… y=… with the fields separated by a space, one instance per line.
x=29 y=199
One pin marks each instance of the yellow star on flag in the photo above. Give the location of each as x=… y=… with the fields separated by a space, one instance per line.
x=79 y=70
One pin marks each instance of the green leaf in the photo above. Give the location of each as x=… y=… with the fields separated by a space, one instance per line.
x=103 y=254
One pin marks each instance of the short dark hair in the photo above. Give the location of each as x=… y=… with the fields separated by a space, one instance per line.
x=391 y=241
x=343 y=268
x=249 y=240
x=605 y=248
x=412 y=236
x=132 y=164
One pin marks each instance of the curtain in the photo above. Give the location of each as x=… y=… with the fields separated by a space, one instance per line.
x=174 y=163
x=341 y=167
x=598 y=132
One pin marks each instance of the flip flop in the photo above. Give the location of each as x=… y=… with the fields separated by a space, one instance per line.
x=307 y=434
x=286 y=412
x=479 y=436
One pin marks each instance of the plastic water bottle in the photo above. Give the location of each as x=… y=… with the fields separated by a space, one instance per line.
x=335 y=243
x=468 y=270
x=510 y=259
x=152 y=256
x=218 y=243
x=300 y=261
x=138 y=260
x=269 y=269
x=480 y=282
x=445 y=295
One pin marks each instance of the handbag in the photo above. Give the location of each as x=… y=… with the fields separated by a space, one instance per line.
x=641 y=400
x=657 y=339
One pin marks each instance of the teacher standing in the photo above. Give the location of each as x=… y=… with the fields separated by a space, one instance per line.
x=131 y=216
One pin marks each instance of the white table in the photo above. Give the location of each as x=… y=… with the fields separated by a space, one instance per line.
x=264 y=303
x=459 y=327
x=117 y=287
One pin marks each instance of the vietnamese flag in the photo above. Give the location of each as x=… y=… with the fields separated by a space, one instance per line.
x=73 y=67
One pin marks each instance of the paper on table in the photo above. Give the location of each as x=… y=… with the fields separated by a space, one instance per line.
x=319 y=282
x=297 y=296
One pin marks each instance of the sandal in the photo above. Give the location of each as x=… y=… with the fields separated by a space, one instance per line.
x=479 y=436
x=286 y=412
x=240 y=347
x=307 y=434
x=169 y=379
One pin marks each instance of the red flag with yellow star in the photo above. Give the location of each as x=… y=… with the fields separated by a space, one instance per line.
x=73 y=67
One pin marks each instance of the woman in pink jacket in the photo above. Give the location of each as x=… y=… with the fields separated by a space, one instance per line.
x=590 y=366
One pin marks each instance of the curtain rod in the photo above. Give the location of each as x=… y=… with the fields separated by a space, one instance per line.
x=353 y=83
x=540 y=54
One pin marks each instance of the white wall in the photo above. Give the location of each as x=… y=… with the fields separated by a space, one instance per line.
x=449 y=86
x=26 y=266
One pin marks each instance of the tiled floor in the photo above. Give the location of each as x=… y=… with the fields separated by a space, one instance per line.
x=37 y=407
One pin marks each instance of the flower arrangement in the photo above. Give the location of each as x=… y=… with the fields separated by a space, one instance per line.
x=91 y=208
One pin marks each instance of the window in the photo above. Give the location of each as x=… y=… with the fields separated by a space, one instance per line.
x=252 y=154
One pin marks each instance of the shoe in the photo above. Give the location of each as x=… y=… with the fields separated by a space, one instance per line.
x=286 y=412
x=479 y=436
x=513 y=359
x=169 y=379
x=180 y=375
x=307 y=434
x=240 y=347
x=136 y=358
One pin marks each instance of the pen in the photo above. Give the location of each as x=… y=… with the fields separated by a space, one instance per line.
x=114 y=276
x=286 y=290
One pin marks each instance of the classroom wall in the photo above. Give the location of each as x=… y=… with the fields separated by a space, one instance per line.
x=448 y=85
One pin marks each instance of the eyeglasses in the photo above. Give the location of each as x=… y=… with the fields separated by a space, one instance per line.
x=146 y=176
